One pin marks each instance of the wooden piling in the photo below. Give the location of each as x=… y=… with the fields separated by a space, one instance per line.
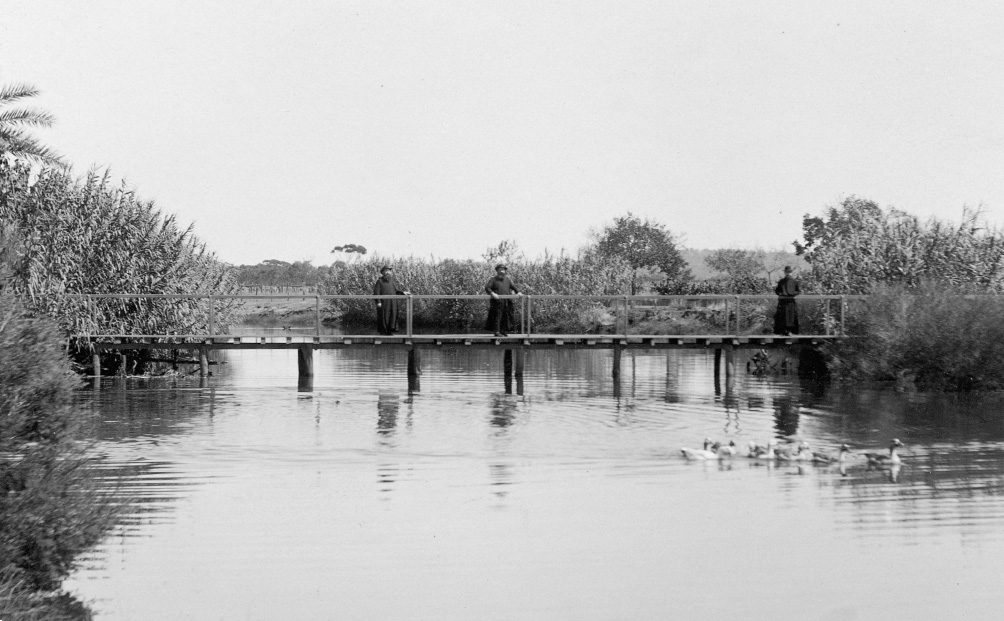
x=414 y=362
x=96 y=362
x=203 y=362
x=617 y=361
x=305 y=361
x=519 y=356
x=730 y=363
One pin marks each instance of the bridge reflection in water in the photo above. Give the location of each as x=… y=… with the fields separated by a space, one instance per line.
x=737 y=322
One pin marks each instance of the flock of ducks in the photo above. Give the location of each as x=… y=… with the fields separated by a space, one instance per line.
x=793 y=453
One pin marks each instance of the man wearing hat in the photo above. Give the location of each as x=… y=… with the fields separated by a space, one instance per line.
x=786 y=317
x=500 y=311
x=387 y=309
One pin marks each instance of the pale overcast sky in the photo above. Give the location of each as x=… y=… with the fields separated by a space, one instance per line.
x=283 y=129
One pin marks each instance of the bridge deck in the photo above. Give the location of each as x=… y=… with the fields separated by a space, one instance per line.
x=534 y=341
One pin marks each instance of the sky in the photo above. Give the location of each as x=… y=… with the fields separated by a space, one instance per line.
x=440 y=128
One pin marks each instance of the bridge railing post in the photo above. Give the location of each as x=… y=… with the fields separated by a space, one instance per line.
x=727 y=322
x=317 y=310
x=843 y=308
x=212 y=315
x=529 y=316
x=627 y=316
x=410 y=313
x=739 y=316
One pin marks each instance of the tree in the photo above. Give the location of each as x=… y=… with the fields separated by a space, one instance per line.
x=14 y=139
x=643 y=244
x=735 y=263
x=857 y=245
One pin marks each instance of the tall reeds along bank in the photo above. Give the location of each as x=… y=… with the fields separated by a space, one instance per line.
x=50 y=508
x=857 y=245
x=585 y=274
x=935 y=336
x=82 y=235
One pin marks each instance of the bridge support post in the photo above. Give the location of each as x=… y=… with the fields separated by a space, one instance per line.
x=617 y=361
x=507 y=364
x=203 y=362
x=718 y=366
x=414 y=362
x=519 y=355
x=305 y=361
x=730 y=364
x=96 y=362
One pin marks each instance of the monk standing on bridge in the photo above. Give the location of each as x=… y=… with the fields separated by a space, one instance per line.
x=500 y=312
x=786 y=317
x=387 y=309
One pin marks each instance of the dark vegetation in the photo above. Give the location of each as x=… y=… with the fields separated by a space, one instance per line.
x=70 y=236
x=50 y=508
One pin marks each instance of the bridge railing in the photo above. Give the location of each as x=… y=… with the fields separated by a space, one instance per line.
x=107 y=315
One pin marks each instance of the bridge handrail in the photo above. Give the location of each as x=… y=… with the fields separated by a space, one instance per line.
x=622 y=304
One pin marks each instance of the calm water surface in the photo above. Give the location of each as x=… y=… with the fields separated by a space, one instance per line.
x=566 y=498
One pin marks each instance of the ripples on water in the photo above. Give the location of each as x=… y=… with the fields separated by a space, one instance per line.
x=357 y=498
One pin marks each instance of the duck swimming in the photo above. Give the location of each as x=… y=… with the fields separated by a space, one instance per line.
x=769 y=452
x=843 y=454
x=724 y=450
x=882 y=459
x=705 y=453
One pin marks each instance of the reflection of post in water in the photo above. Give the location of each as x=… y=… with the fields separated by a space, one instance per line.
x=507 y=371
x=730 y=402
x=512 y=363
x=785 y=416
x=387 y=409
x=503 y=411
x=414 y=370
x=500 y=476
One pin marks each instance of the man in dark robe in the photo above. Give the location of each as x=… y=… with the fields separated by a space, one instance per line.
x=387 y=309
x=500 y=311
x=786 y=317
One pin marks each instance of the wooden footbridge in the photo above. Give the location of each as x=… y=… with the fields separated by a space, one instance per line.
x=737 y=322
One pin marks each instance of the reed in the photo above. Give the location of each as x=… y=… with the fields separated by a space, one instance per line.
x=82 y=235
x=549 y=275
x=933 y=335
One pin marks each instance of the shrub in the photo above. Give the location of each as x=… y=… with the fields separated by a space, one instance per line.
x=50 y=510
x=934 y=334
x=72 y=236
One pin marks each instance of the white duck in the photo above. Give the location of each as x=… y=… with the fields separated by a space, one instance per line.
x=769 y=453
x=881 y=459
x=705 y=453
x=724 y=451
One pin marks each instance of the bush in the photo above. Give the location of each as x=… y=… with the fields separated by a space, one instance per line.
x=934 y=335
x=50 y=510
x=69 y=236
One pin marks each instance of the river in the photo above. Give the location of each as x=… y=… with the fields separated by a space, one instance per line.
x=566 y=497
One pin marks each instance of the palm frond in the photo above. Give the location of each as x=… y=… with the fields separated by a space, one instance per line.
x=26 y=116
x=13 y=92
x=22 y=146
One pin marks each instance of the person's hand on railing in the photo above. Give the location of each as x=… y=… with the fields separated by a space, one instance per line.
x=494 y=295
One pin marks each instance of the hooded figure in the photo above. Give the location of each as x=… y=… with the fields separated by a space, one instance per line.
x=387 y=310
x=786 y=317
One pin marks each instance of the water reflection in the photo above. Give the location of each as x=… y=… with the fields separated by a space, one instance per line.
x=486 y=483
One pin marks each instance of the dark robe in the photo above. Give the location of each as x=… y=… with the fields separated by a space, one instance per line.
x=500 y=312
x=786 y=317
x=388 y=309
